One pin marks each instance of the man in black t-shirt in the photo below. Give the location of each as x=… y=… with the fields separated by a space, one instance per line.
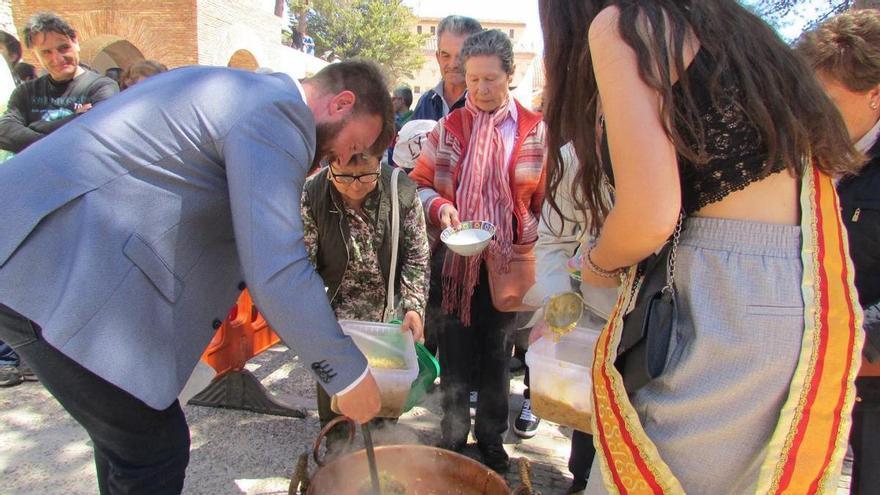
x=37 y=108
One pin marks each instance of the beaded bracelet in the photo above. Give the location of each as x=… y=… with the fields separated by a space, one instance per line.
x=596 y=269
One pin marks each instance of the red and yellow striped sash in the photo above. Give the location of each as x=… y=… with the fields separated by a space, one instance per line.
x=806 y=450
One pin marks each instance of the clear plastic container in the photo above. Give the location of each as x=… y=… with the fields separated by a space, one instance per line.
x=560 y=378
x=392 y=359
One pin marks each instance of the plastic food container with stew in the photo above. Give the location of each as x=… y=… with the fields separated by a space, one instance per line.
x=560 y=378
x=392 y=360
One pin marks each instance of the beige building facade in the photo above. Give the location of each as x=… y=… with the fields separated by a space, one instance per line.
x=429 y=75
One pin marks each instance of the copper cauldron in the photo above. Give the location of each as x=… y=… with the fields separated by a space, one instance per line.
x=417 y=469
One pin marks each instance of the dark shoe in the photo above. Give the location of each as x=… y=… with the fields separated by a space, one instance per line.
x=516 y=364
x=526 y=425
x=10 y=376
x=495 y=457
x=472 y=402
x=27 y=374
x=577 y=486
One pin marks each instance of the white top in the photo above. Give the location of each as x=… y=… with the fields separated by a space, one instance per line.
x=7 y=85
x=555 y=246
x=302 y=92
x=508 y=132
x=439 y=90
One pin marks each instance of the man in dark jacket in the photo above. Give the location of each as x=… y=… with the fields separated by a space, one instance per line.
x=450 y=91
x=38 y=107
x=436 y=103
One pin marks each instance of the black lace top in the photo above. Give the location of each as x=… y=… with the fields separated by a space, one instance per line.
x=734 y=153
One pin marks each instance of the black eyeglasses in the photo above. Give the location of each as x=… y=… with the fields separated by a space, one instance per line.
x=349 y=179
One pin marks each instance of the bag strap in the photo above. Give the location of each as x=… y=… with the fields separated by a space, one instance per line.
x=395 y=236
x=670 y=262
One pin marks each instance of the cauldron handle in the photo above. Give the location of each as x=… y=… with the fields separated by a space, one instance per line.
x=352 y=428
x=525 y=478
x=299 y=482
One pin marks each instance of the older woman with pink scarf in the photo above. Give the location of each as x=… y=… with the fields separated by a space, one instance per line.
x=481 y=162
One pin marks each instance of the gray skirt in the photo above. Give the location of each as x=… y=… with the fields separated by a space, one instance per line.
x=732 y=355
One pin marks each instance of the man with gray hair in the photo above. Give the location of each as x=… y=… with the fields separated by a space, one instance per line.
x=448 y=95
x=450 y=91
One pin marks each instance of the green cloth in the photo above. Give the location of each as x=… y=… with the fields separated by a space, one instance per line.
x=401 y=119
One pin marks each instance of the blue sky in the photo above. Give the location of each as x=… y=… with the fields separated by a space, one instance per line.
x=496 y=10
x=794 y=24
x=520 y=10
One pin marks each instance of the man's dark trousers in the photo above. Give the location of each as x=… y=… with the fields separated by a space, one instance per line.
x=865 y=437
x=138 y=450
x=489 y=340
x=580 y=460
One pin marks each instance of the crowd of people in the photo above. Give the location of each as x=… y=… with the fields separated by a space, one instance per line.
x=683 y=142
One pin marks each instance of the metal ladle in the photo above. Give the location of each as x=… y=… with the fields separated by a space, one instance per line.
x=371 y=458
x=562 y=312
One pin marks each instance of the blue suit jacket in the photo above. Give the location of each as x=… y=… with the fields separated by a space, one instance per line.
x=126 y=234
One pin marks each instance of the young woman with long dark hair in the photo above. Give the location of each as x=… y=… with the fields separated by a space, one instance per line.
x=699 y=109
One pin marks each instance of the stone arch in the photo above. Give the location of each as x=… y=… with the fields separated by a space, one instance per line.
x=237 y=46
x=107 y=50
x=243 y=59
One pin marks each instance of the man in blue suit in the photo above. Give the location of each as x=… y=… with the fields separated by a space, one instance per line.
x=127 y=234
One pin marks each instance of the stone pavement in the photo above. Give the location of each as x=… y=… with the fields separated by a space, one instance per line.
x=235 y=452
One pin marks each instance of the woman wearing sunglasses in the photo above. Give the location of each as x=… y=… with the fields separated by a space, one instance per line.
x=347 y=226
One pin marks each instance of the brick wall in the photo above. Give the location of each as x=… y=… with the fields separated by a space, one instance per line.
x=162 y=30
x=174 y=32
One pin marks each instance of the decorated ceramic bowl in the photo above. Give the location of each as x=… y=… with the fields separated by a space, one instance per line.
x=469 y=238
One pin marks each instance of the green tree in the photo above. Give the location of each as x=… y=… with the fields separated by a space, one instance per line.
x=378 y=30
x=300 y=10
x=780 y=13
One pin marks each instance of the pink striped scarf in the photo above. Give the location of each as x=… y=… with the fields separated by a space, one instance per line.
x=483 y=193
